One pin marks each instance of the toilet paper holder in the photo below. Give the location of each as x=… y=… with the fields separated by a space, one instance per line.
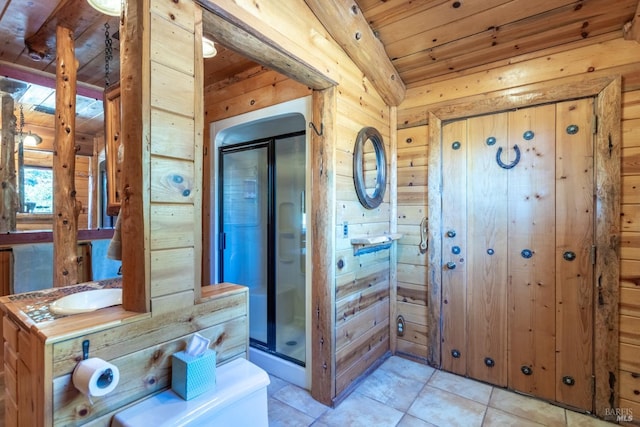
x=85 y=349
x=106 y=378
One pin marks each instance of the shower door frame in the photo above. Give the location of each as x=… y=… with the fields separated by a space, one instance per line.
x=269 y=143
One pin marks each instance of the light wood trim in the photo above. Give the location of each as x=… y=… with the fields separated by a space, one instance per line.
x=393 y=226
x=434 y=251
x=533 y=94
x=323 y=387
x=66 y=206
x=205 y=278
x=198 y=143
x=606 y=329
x=135 y=134
x=6 y=273
x=112 y=108
x=41 y=371
x=348 y=26
x=94 y=174
x=607 y=237
x=236 y=35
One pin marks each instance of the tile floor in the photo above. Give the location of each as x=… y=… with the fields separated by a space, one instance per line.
x=404 y=393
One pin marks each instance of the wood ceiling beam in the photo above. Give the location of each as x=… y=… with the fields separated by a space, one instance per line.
x=631 y=29
x=42 y=78
x=264 y=49
x=348 y=26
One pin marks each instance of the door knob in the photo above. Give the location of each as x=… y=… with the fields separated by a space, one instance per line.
x=451 y=233
x=451 y=265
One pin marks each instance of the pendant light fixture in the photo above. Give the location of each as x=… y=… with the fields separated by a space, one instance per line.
x=31 y=139
x=26 y=139
x=108 y=7
x=208 y=48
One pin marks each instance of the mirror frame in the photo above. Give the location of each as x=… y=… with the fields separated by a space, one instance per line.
x=113 y=142
x=365 y=134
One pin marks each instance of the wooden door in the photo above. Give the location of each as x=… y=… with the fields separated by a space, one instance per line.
x=517 y=279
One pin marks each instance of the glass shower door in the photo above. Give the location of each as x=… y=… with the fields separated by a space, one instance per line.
x=244 y=238
x=263 y=238
x=290 y=246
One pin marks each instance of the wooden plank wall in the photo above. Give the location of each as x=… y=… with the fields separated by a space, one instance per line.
x=411 y=298
x=142 y=352
x=176 y=155
x=605 y=55
x=362 y=285
x=630 y=254
x=254 y=89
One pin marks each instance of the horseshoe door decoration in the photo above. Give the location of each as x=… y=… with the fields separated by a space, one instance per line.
x=513 y=163
x=528 y=136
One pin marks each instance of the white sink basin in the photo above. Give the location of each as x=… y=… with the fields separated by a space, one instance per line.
x=82 y=302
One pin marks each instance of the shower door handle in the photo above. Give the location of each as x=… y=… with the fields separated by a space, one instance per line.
x=222 y=241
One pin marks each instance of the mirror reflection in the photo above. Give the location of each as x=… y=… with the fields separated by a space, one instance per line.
x=369 y=167
x=26 y=155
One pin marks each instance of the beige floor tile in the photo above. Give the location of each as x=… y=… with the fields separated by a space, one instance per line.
x=497 y=418
x=527 y=407
x=406 y=368
x=360 y=411
x=461 y=386
x=446 y=409
x=275 y=384
x=392 y=390
x=283 y=415
x=575 y=419
x=300 y=399
x=410 y=421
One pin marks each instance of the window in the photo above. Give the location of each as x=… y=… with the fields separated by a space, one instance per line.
x=38 y=190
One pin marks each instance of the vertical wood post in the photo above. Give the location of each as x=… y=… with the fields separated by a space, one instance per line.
x=607 y=264
x=66 y=207
x=434 y=250
x=323 y=233
x=8 y=195
x=134 y=79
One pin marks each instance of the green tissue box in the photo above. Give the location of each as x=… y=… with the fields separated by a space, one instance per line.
x=193 y=375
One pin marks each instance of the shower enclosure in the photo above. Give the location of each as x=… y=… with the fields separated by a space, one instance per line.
x=262 y=235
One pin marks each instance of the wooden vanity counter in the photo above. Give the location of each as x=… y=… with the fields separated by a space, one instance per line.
x=40 y=355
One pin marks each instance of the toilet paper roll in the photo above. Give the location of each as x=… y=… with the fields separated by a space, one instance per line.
x=95 y=377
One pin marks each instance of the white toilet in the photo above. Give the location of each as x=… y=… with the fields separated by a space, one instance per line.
x=239 y=399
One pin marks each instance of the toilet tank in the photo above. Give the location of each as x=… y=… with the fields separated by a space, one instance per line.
x=238 y=399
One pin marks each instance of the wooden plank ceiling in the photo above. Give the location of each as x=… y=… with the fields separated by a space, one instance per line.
x=425 y=39
x=430 y=38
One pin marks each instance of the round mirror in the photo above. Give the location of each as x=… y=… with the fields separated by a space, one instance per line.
x=369 y=167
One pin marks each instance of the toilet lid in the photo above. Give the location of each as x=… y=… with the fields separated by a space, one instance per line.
x=234 y=380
